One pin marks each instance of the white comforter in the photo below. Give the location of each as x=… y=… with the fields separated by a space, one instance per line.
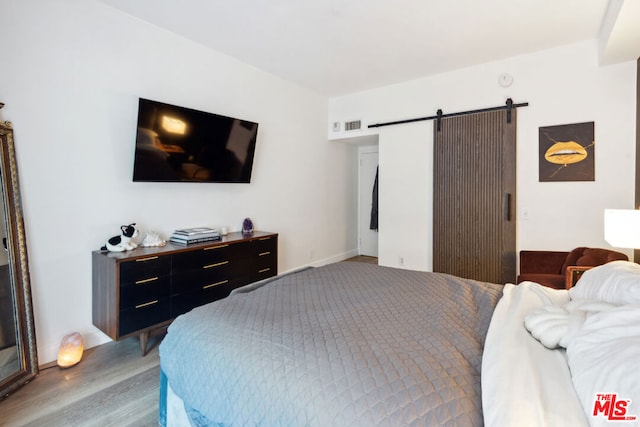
x=523 y=382
x=529 y=380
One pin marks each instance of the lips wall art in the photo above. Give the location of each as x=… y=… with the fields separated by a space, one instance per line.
x=567 y=152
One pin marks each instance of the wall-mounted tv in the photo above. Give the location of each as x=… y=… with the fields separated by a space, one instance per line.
x=178 y=144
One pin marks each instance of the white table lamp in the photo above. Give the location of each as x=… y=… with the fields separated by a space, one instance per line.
x=622 y=228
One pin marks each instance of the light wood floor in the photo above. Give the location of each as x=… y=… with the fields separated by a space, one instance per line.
x=112 y=386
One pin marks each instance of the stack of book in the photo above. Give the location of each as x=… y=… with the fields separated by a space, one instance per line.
x=186 y=236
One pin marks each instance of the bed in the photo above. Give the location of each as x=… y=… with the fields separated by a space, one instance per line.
x=355 y=344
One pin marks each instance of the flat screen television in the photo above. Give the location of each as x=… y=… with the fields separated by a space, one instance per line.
x=178 y=144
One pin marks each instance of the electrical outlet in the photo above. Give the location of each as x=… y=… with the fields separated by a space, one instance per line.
x=525 y=213
x=401 y=260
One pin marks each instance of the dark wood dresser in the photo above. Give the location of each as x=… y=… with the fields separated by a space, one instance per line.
x=137 y=291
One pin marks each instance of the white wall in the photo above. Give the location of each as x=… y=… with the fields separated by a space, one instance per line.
x=405 y=189
x=71 y=75
x=563 y=85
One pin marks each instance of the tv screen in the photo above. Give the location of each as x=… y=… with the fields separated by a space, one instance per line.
x=177 y=144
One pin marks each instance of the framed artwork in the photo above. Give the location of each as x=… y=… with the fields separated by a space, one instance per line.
x=567 y=152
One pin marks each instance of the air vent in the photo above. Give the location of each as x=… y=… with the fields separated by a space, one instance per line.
x=352 y=125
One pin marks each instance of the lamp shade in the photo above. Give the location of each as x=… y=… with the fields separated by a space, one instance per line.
x=622 y=228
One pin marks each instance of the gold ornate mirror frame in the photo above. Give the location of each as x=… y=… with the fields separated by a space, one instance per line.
x=27 y=368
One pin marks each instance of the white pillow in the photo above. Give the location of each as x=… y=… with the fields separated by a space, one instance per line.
x=603 y=358
x=617 y=282
x=556 y=326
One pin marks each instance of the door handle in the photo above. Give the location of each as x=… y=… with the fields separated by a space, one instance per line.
x=507 y=206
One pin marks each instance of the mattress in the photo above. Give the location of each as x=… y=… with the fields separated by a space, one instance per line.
x=344 y=344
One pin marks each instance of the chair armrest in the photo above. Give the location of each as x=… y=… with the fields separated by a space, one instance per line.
x=546 y=262
x=574 y=272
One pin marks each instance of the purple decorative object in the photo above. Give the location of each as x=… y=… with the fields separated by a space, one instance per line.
x=247 y=226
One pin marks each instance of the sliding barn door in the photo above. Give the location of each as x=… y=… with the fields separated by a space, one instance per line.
x=474 y=226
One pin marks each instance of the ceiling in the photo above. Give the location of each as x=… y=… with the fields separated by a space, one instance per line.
x=336 y=47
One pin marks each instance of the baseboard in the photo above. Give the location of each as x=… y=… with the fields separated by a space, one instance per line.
x=325 y=261
x=335 y=258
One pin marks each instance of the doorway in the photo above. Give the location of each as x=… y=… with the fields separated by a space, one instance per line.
x=367 y=168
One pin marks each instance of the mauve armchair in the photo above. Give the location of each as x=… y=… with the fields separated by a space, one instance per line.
x=550 y=268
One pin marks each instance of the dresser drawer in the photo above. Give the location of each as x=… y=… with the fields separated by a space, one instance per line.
x=249 y=271
x=144 y=268
x=266 y=246
x=182 y=303
x=266 y=267
x=143 y=315
x=257 y=261
x=192 y=280
x=258 y=248
x=267 y=261
x=207 y=257
x=144 y=290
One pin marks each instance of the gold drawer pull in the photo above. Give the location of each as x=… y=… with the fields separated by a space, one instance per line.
x=217 y=264
x=149 y=258
x=264 y=270
x=143 y=281
x=222 y=282
x=264 y=238
x=147 y=304
x=264 y=253
x=215 y=247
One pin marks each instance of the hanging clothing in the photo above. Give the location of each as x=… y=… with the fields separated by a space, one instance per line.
x=373 y=225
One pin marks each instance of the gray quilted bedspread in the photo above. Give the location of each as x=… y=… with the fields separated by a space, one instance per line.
x=347 y=344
